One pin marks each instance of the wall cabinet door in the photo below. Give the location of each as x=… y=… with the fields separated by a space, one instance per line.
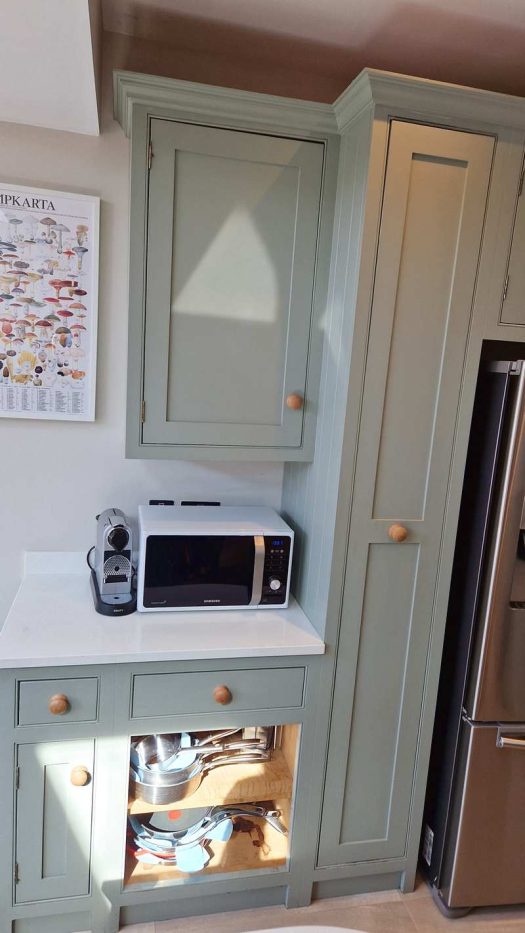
x=430 y=235
x=230 y=266
x=53 y=820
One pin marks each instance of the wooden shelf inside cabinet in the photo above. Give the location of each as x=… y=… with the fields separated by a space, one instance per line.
x=238 y=854
x=265 y=780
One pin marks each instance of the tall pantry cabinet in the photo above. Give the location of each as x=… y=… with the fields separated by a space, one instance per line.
x=421 y=264
x=422 y=167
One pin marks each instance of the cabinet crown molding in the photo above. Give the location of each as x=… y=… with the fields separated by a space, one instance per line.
x=188 y=100
x=428 y=101
x=387 y=93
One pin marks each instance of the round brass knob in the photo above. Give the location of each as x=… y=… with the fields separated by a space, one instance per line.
x=80 y=776
x=295 y=402
x=397 y=533
x=58 y=704
x=222 y=695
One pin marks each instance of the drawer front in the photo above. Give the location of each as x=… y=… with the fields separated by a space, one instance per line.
x=34 y=698
x=174 y=694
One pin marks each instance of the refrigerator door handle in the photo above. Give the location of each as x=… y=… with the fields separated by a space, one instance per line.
x=513 y=740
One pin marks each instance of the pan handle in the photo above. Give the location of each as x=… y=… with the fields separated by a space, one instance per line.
x=271 y=816
x=234 y=759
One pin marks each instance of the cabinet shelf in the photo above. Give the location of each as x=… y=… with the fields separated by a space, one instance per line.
x=265 y=780
x=238 y=854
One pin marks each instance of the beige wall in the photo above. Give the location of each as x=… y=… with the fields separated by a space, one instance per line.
x=54 y=477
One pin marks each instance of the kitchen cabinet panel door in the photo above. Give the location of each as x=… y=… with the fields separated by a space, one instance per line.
x=231 y=253
x=53 y=821
x=432 y=218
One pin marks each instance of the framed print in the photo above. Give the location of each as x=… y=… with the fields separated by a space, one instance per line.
x=48 y=303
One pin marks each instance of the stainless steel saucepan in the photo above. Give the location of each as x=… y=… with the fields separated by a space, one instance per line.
x=170 y=786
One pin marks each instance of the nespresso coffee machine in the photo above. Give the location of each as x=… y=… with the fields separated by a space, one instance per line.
x=112 y=573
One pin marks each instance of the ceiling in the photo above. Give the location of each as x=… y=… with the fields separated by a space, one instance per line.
x=474 y=42
x=50 y=49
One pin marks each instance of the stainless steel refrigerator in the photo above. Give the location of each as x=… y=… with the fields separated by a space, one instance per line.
x=473 y=840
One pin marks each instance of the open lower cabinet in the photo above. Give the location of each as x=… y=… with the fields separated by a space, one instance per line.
x=209 y=803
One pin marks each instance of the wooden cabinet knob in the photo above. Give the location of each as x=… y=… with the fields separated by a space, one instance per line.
x=397 y=533
x=58 y=704
x=80 y=776
x=222 y=695
x=295 y=402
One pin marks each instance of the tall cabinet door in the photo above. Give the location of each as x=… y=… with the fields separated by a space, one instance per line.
x=231 y=252
x=430 y=235
x=53 y=820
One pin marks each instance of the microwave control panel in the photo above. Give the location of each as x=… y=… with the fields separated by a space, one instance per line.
x=276 y=569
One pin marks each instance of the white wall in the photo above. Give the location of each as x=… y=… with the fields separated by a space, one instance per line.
x=54 y=477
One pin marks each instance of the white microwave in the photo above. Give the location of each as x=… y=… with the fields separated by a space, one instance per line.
x=212 y=557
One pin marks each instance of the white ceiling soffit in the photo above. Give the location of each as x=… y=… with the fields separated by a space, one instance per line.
x=49 y=50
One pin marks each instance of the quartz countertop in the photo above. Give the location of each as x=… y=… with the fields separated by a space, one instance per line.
x=53 y=622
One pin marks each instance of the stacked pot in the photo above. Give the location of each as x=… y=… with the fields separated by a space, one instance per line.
x=180 y=837
x=168 y=768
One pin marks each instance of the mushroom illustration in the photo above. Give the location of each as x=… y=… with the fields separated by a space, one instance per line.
x=19 y=327
x=20 y=264
x=28 y=246
x=34 y=277
x=79 y=250
x=54 y=302
x=57 y=284
x=64 y=314
x=31 y=318
x=14 y=223
x=6 y=325
x=78 y=308
x=48 y=222
x=60 y=229
x=42 y=328
x=68 y=253
x=80 y=292
x=82 y=232
x=63 y=335
x=78 y=330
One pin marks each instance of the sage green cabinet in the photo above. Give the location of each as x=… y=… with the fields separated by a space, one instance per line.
x=53 y=820
x=228 y=359
x=512 y=300
x=431 y=226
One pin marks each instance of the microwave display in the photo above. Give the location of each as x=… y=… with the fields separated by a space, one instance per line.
x=198 y=570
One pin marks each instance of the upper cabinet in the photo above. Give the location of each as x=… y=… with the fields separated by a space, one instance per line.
x=226 y=293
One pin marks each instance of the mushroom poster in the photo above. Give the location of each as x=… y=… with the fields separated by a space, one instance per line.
x=48 y=303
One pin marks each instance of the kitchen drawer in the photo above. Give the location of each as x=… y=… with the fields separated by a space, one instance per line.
x=34 y=698
x=174 y=694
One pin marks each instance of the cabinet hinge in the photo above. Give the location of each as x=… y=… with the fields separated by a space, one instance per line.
x=520 y=187
x=150 y=154
x=143 y=411
x=16 y=873
x=506 y=287
x=17 y=777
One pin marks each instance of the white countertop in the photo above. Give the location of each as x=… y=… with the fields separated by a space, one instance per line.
x=53 y=622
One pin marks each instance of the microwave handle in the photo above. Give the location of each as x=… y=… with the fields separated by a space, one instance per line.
x=258 y=570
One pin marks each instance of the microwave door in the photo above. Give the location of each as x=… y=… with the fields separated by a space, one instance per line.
x=201 y=571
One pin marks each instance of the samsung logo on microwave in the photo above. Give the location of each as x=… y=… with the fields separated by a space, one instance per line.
x=212 y=600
